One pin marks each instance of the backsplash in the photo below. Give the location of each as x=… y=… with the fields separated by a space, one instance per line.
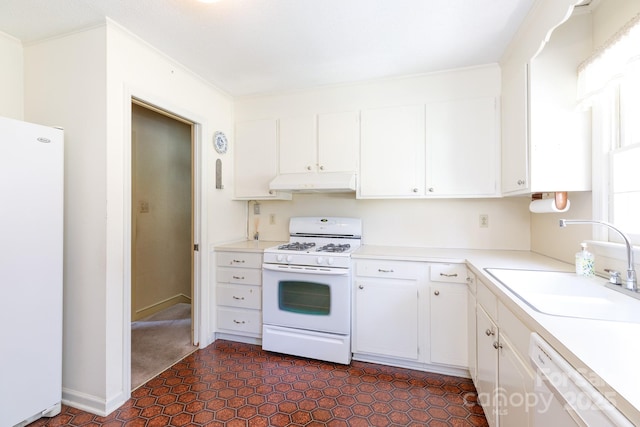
x=442 y=223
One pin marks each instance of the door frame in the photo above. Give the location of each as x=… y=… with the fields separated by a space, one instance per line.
x=199 y=291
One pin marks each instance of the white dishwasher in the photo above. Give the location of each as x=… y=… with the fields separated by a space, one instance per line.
x=564 y=397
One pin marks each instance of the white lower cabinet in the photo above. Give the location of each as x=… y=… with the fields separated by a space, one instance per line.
x=504 y=380
x=487 y=359
x=239 y=293
x=516 y=382
x=448 y=314
x=385 y=308
x=472 y=348
x=411 y=314
x=387 y=318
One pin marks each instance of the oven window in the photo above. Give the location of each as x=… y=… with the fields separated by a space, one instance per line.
x=304 y=297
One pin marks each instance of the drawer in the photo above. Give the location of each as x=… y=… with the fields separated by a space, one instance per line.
x=241 y=296
x=239 y=320
x=487 y=300
x=390 y=269
x=453 y=273
x=247 y=276
x=239 y=259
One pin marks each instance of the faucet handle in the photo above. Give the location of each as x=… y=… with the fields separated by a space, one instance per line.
x=614 y=276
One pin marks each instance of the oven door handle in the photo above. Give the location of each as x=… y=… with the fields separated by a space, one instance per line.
x=306 y=269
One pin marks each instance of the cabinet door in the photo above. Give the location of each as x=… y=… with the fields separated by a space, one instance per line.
x=392 y=152
x=338 y=142
x=386 y=317
x=487 y=335
x=472 y=330
x=298 y=147
x=448 y=311
x=516 y=382
x=515 y=138
x=255 y=159
x=462 y=146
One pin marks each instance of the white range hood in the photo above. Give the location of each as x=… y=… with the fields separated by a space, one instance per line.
x=315 y=182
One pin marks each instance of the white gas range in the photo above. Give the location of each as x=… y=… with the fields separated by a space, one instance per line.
x=306 y=296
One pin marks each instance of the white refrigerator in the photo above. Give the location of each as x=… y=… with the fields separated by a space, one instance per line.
x=31 y=238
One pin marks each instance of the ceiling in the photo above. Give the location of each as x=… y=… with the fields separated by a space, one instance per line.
x=247 y=47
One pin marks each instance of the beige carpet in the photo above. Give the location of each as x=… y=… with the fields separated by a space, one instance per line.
x=159 y=341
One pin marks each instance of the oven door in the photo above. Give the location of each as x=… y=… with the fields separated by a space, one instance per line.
x=310 y=298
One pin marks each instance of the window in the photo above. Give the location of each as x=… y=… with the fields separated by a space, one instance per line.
x=609 y=83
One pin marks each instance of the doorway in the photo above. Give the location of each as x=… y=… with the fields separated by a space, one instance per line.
x=162 y=240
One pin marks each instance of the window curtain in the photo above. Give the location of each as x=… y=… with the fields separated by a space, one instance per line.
x=615 y=62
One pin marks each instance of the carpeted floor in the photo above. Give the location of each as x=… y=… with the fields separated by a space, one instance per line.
x=159 y=341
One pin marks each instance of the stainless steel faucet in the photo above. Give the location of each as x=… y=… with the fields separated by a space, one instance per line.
x=631 y=282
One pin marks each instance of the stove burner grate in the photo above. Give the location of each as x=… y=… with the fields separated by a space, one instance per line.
x=297 y=246
x=332 y=247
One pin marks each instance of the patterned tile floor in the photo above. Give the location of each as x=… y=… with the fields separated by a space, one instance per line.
x=239 y=385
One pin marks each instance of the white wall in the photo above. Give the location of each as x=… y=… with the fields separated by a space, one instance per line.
x=65 y=85
x=11 y=77
x=481 y=81
x=84 y=82
x=444 y=223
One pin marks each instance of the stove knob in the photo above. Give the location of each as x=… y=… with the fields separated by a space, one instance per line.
x=319 y=260
x=279 y=257
x=329 y=261
x=289 y=258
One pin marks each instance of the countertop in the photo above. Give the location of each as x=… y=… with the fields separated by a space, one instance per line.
x=247 y=246
x=606 y=350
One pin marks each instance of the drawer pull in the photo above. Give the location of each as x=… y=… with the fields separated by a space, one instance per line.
x=238 y=261
x=238 y=277
x=489 y=332
x=239 y=322
x=449 y=275
x=436 y=293
x=380 y=270
x=238 y=298
x=360 y=287
x=497 y=345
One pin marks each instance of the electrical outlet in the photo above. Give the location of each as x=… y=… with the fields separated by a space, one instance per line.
x=272 y=219
x=256 y=209
x=484 y=221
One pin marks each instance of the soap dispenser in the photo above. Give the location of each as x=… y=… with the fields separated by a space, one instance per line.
x=584 y=262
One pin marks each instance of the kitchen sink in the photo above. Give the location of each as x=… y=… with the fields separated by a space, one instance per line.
x=567 y=294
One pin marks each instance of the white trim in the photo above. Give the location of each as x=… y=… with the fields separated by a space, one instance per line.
x=200 y=290
x=93 y=404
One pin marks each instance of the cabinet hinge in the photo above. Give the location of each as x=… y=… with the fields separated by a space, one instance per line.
x=196 y=247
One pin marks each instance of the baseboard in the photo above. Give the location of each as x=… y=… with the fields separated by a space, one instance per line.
x=159 y=306
x=237 y=338
x=409 y=364
x=93 y=404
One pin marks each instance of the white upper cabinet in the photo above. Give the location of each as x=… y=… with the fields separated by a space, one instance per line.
x=298 y=147
x=545 y=137
x=256 y=160
x=443 y=149
x=462 y=147
x=338 y=141
x=515 y=139
x=322 y=143
x=392 y=152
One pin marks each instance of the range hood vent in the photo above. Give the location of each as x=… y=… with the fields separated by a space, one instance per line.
x=329 y=182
